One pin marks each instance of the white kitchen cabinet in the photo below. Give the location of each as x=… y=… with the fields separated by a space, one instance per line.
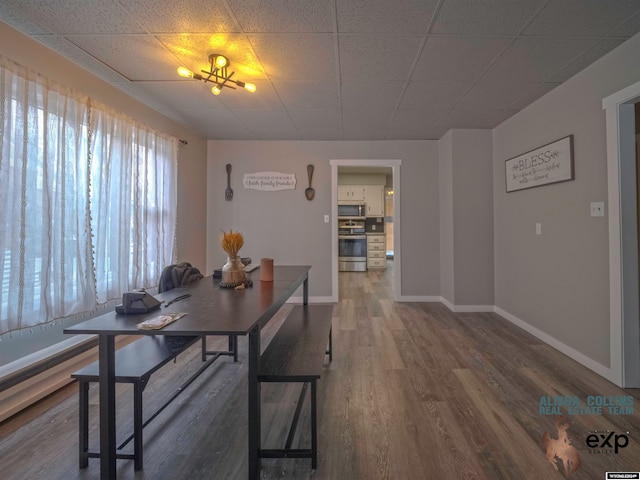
x=351 y=193
x=374 y=198
x=376 y=252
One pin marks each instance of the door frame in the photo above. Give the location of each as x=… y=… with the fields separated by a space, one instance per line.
x=397 y=262
x=623 y=236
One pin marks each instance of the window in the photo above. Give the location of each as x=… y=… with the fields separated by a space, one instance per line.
x=88 y=197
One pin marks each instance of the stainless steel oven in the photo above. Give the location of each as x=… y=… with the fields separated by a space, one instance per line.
x=352 y=253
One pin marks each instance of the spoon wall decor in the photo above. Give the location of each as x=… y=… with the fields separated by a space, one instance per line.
x=309 y=192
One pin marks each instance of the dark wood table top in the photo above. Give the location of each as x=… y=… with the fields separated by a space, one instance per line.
x=211 y=310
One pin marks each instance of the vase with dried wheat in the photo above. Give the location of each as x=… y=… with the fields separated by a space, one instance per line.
x=233 y=272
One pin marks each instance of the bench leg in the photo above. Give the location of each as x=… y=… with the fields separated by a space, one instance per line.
x=137 y=425
x=233 y=346
x=314 y=427
x=83 y=427
x=330 y=344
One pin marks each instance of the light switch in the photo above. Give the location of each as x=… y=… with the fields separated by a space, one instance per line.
x=597 y=209
x=326 y=219
x=538 y=229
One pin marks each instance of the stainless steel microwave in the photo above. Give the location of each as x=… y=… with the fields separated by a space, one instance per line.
x=354 y=210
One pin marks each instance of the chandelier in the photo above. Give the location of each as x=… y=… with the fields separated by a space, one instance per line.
x=217 y=74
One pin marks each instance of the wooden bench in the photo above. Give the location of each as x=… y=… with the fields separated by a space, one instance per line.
x=135 y=363
x=297 y=354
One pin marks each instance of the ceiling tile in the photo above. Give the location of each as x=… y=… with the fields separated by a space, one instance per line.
x=415 y=132
x=533 y=95
x=265 y=123
x=581 y=17
x=380 y=121
x=628 y=28
x=377 y=57
x=296 y=56
x=534 y=60
x=193 y=16
x=433 y=95
x=446 y=59
x=380 y=17
x=257 y=16
x=316 y=119
x=496 y=95
x=263 y=98
x=485 y=17
x=360 y=132
x=78 y=17
x=371 y=95
x=308 y=95
x=135 y=57
x=458 y=118
x=79 y=56
x=14 y=16
x=331 y=133
x=580 y=62
x=412 y=118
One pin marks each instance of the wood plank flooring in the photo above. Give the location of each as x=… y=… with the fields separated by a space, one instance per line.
x=414 y=392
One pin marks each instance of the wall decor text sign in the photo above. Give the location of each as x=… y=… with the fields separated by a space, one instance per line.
x=270 y=181
x=550 y=163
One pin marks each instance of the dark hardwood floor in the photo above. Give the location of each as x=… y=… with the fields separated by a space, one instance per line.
x=414 y=392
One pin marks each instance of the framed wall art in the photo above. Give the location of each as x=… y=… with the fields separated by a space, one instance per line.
x=551 y=163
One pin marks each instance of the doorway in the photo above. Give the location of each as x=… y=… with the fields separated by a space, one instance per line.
x=394 y=166
x=624 y=292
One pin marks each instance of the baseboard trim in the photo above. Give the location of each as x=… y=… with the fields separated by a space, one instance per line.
x=467 y=308
x=570 y=352
x=418 y=298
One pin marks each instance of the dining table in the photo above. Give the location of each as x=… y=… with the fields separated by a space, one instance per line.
x=210 y=310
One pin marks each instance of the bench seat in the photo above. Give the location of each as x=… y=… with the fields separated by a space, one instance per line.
x=134 y=363
x=297 y=354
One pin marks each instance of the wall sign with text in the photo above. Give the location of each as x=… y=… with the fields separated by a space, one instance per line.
x=550 y=163
x=270 y=181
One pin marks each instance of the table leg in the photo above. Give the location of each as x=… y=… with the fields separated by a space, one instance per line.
x=305 y=291
x=106 y=357
x=254 y=404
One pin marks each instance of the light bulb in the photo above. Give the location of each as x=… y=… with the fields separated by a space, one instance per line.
x=250 y=86
x=216 y=90
x=221 y=61
x=185 y=72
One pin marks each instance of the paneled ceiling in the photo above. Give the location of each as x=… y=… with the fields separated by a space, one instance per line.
x=333 y=69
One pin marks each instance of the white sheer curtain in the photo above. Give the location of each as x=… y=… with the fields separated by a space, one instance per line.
x=87 y=202
x=45 y=265
x=133 y=202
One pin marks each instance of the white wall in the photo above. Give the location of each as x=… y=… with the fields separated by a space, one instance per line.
x=445 y=185
x=466 y=219
x=558 y=283
x=285 y=226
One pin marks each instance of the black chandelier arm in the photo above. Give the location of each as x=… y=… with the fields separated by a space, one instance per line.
x=221 y=81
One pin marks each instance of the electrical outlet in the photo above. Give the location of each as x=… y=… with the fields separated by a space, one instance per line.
x=538 y=229
x=597 y=209
x=326 y=219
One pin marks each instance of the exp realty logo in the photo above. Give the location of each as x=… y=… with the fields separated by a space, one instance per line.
x=603 y=442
